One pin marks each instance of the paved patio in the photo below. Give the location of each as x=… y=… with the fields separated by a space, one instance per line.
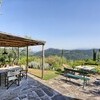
x=31 y=89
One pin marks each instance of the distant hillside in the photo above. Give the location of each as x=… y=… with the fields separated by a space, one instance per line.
x=69 y=54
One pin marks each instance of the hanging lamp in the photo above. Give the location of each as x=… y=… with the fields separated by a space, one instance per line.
x=5 y=52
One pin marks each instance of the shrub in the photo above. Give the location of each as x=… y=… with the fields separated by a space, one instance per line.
x=37 y=65
x=97 y=68
x=55 y=62
x=75 y=63
x=90 y=62
x=30 y=59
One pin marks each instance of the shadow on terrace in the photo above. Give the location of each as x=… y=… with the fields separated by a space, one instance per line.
x=31 y=89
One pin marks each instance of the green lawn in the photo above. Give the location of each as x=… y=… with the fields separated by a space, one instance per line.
x=48 y=74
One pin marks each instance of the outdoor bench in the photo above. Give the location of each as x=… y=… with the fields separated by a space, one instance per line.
x=76 y=77
x=70 y=73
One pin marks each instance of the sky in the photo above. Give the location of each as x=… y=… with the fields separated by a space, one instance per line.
x=63 y=24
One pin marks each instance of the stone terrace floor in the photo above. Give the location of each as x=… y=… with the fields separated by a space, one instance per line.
x=59 y=88
x=31 y=89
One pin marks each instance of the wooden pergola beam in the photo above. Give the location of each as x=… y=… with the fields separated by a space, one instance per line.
x=15 y=41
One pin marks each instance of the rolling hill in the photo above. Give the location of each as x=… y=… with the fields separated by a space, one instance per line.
x=69 y=54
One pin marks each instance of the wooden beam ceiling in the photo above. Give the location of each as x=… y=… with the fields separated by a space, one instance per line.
x=7 y=40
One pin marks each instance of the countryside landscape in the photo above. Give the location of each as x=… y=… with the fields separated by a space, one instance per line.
x=49 y=50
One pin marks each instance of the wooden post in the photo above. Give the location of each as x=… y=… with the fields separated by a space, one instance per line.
x=18 y=54
x=27 y=62
x=42 y=61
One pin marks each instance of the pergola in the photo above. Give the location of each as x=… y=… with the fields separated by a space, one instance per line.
x=7 y=40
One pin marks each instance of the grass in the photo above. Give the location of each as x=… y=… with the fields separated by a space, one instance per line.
x=48 y=74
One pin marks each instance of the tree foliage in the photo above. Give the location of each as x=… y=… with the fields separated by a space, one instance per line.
x=55 y=61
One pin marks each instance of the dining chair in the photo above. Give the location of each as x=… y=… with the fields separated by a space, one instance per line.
x=12 y=77
x=24 y=71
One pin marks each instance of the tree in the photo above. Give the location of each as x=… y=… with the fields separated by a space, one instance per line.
x=0 y=3
x=98 y=55
x=94 y=55
x=62 y=54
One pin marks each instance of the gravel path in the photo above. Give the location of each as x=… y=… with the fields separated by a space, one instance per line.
x=74 y=88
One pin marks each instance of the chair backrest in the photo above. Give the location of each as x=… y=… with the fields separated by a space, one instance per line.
x=17 y=71
x=13 y=72
x=10 y=73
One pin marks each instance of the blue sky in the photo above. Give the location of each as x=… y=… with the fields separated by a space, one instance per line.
x=63 y=24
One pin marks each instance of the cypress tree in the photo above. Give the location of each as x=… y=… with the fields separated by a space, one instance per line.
x=94 y=55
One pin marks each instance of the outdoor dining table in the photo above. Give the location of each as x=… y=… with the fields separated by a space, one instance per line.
x=6 y=69
x=87 y=68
